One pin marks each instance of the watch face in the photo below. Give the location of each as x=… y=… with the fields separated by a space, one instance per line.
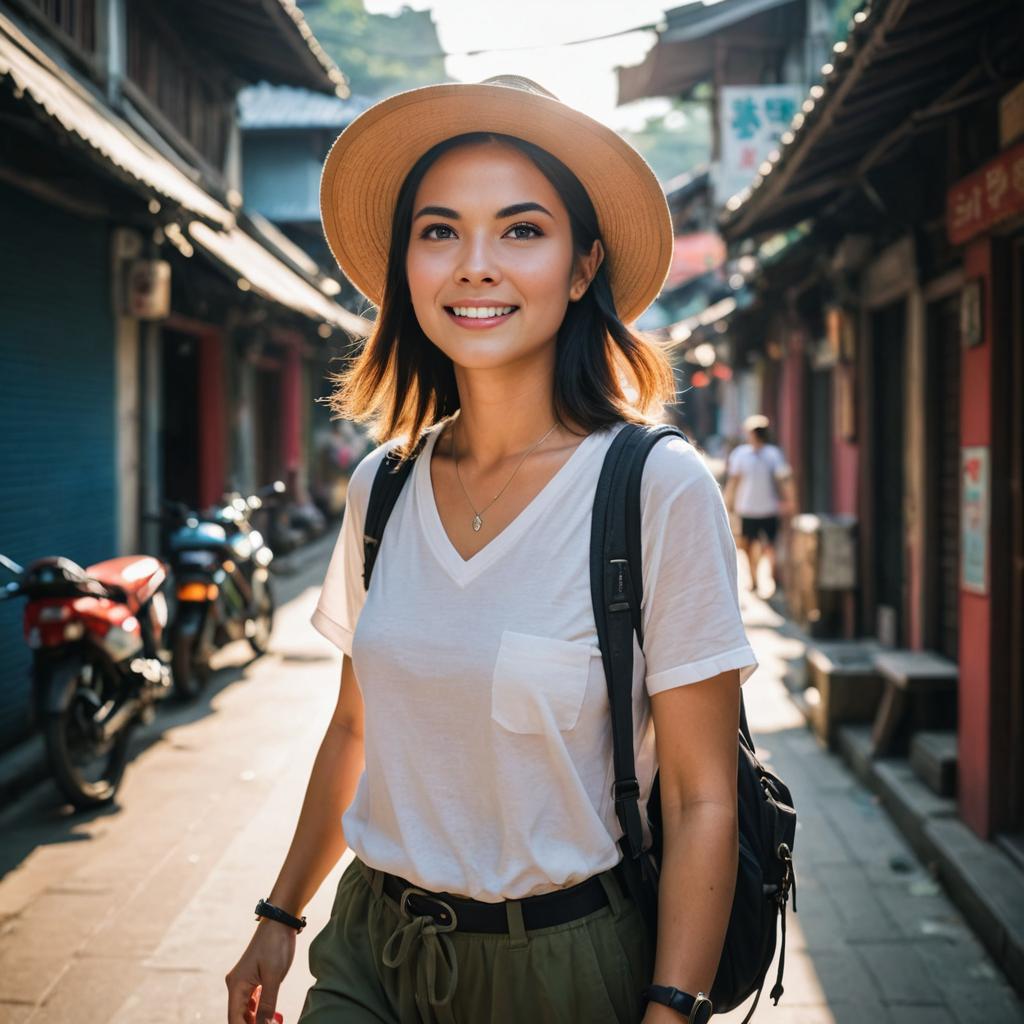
x=701 y=1012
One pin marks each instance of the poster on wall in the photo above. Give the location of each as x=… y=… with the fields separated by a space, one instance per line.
x=752 y=120
x=974 y=507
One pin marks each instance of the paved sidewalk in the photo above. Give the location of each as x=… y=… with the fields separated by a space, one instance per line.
x=134 y=915
x=875 y=938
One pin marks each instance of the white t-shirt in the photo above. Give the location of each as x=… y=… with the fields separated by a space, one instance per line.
x=487 y=727
x=755 y=492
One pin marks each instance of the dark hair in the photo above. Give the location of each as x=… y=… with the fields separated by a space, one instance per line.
x=761 y=432
x=401 y=382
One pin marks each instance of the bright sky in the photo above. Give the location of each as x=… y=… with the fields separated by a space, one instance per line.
x=583 y=76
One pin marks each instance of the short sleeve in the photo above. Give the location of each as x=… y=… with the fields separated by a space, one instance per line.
x=342 y=595
x=692 y=624
x=732 y=465
x=782 y=467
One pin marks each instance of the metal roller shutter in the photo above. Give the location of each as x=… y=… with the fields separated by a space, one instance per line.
x=57 y=409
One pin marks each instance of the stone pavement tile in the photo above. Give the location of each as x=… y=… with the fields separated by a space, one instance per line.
x=899 y=973
x=824 y=771
x=88 y=994
x=173 y=997
x=34 y=946
x=967 y=981
x=816 y=925
x=15 y=1013
x=865 y=828
x=832 y=977
x=861 y=914
x=920 y=1015
x=920 y=909
x=816 y=842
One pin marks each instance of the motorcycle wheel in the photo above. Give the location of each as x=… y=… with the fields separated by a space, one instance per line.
x=263 y=622
x=88 y=773
x=190 y=677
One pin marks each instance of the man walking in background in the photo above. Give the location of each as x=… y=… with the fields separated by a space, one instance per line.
x=758 y=488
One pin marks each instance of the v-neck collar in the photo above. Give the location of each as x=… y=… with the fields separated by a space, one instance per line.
x=464 y=570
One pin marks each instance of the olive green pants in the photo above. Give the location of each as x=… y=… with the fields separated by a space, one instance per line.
x=376 y=964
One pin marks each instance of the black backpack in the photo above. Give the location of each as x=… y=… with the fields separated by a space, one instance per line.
x=767 y=820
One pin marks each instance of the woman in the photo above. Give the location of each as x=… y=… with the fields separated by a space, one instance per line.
x=506 y=239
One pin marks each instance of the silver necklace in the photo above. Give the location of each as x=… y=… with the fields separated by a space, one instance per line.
x=478 y=515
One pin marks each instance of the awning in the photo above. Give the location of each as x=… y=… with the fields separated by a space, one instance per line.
x=87 y=119
x=260 y=40
x=681 y=58
x=904 y=64
x=256 y=268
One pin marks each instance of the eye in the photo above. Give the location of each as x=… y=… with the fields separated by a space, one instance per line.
x=426 y=233
x=537 y=233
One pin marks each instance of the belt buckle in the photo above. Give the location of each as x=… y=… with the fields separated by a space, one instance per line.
x=445 y=918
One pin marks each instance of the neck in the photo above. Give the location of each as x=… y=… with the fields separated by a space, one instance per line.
x=498 y=420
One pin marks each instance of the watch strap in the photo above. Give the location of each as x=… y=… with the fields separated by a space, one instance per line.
x=682 y=1002
x=272 y=913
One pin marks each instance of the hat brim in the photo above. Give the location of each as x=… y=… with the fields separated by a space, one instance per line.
x=370 y=159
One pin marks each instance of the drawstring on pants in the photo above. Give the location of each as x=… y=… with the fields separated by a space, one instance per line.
x=422 y=936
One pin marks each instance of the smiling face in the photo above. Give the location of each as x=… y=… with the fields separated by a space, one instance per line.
x=490 y=263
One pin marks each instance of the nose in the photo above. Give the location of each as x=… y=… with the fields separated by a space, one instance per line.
x=477 y=263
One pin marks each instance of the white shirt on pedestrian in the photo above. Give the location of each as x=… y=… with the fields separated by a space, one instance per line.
x=757 y=468
x=487 y=728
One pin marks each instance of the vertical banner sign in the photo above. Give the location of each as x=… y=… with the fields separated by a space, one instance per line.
x=752 y=119
x=974 y=505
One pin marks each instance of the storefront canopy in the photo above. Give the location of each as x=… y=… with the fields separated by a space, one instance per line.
x=84 y=116
x=260 y=40
x=60 y=98
x=682 y=58
x=903 y=64
x=256 y=268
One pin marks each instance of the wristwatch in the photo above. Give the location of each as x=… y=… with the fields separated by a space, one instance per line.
x=694 y=1009
x=272 y=913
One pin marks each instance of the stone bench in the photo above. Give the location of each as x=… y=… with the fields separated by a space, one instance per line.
x=848 y=690
x=919 y=691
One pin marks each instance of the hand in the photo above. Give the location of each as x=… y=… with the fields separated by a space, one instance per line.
x=253 y=982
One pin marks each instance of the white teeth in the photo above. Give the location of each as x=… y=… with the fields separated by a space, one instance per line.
x=476 y=312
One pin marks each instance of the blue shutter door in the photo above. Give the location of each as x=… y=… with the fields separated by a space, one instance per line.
x=58 y=492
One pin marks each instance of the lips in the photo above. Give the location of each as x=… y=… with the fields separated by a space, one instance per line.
x=475 y=322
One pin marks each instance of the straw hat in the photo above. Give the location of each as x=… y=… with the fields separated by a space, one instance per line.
x=372 y=156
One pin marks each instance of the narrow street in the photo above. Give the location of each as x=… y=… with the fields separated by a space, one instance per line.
x=135 y=914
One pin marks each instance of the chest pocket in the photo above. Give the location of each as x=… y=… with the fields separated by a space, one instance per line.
x=539 y=683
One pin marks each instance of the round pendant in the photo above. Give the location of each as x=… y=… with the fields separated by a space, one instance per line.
x=477 y=523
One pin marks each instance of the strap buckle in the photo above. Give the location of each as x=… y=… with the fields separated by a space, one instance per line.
x=625 y=789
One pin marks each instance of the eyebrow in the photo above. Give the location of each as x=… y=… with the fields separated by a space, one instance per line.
x=506 y=211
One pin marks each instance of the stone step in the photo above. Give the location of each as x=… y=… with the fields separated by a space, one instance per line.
x=979 y=877
x=933 y=757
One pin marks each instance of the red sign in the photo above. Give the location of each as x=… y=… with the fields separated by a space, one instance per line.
x=990 y=195
x=693 y=255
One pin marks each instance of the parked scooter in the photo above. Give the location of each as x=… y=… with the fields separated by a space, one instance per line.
x=99 y=662
x=222 y=582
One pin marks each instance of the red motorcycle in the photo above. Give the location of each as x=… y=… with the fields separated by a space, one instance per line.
x=99 y=662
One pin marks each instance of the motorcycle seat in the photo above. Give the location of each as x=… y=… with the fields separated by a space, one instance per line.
x=138 y=577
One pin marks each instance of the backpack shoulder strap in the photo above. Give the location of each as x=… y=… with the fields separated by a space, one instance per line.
x=387 y=485
x=616 y=577
x=614 y=592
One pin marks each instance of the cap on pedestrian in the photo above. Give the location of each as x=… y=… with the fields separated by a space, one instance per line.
x=756 y=422
x=370 y=159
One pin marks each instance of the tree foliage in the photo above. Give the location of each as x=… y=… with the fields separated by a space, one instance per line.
x=675 y=142
x=379 y=53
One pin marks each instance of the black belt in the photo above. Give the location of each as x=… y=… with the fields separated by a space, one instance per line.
x=541 y=911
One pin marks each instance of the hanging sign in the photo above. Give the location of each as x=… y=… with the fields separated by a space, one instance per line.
x=985 y=198
x=974 y=505
x=752 y=119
